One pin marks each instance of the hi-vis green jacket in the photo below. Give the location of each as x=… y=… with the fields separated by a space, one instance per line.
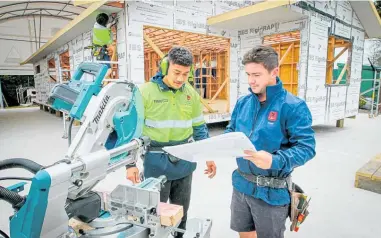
x=101 y=35
x=172 y=117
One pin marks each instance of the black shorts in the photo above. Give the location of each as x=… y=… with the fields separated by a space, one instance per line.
x=251 y=214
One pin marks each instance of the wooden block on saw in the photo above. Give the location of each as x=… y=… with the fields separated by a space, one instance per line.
x=368 y=177
x=78 y=225
x=170 y=214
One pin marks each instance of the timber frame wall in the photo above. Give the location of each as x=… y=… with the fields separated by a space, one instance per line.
x=307 y=61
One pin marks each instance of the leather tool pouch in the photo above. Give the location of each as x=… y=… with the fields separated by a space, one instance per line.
x=295 y=193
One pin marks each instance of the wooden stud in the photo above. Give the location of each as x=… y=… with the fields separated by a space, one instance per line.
x=368 y=177
x=210 y=109
x=341 y=74
x=259 y=7
x=170 y=214
x=154 y=47
x=285 y=54
x=218 y=91
x=119 y=4
x=337 y=56
x=159 y=39
x=79 y=225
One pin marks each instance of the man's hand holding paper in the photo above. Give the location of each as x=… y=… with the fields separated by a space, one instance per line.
x=261 y=159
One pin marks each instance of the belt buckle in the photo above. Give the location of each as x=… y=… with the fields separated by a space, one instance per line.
x=260 y=181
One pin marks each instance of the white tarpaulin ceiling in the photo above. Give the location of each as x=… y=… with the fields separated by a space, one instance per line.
x=39 y=8
x=36 y=22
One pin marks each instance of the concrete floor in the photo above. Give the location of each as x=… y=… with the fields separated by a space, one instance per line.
x=337 y=208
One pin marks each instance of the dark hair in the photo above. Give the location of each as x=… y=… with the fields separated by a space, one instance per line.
x=102 y=19
x=264 y=55
x=181 y=56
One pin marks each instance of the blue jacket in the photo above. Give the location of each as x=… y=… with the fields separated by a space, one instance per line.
x=156 y=163
x=282 y=127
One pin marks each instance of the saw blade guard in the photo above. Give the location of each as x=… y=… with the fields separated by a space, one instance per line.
x=128 y=124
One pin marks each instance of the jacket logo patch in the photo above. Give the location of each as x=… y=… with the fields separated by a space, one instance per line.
x=188 y=97
x=273 y=116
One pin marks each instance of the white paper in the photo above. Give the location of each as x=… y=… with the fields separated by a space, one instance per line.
x=226 y=145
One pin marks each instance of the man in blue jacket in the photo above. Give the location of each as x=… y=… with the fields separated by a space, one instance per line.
x=279 y=126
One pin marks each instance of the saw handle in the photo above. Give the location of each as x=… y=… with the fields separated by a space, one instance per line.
x=27 y=164
x=98 y=70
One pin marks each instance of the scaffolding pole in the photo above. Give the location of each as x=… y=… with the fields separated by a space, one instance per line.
x=378 y=93
x=373 y=92
x=375 y=102
x=1 y=97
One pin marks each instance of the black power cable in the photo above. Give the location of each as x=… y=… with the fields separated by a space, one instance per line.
x=69 y=131
x=2 y=233
x=16 y=178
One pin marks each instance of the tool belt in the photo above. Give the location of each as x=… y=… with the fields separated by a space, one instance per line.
x=263 y=181
x=170 y=157
x=298 y=207
x=99 y=51
x=299 y=204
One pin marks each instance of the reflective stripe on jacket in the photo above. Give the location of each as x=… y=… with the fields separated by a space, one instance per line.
x=172 y=117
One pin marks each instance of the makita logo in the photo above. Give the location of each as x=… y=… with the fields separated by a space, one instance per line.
x=101 y=109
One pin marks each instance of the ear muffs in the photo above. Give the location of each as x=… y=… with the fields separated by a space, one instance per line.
x=164 y=65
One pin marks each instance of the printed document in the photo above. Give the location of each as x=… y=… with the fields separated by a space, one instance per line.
x=226 y=145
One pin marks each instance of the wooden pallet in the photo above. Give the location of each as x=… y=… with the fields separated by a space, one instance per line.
x=368 y=177
x=48 y=108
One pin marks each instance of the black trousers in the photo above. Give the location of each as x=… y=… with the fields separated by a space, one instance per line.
x=178 y=192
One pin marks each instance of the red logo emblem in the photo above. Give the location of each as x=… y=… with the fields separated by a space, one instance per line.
x=273 y=116
x=188 y=97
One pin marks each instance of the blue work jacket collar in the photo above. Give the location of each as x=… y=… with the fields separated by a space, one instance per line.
x=158 y=79
x=271 y=91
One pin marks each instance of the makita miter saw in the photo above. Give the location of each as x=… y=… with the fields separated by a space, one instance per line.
x=109 y=138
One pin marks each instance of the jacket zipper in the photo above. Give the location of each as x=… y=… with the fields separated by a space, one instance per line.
x=251 y=133
x=255 y=118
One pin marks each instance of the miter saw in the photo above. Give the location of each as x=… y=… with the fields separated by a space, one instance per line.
x=110 y=137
